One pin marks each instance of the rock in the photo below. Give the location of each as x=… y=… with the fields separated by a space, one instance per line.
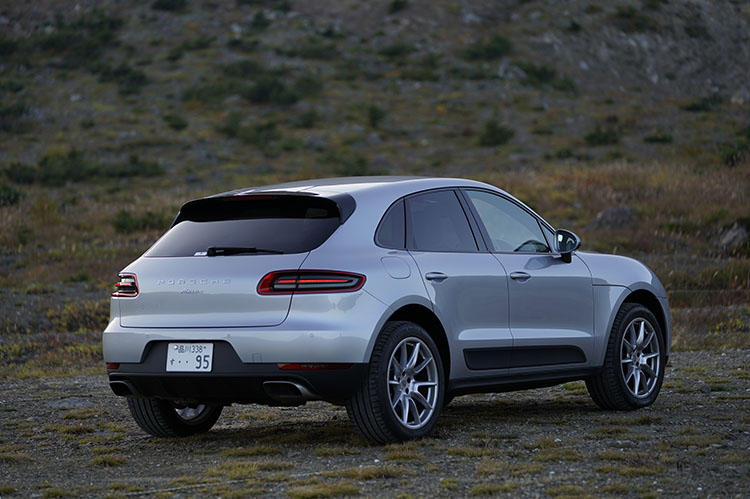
x=69 y=403
x=617 y=216
x=734 y=237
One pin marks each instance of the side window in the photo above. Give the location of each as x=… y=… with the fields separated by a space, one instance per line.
x=510 y=227
x=391 y=232
x=437 y=222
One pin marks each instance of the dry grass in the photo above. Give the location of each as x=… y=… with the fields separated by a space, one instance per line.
x=324 y=490
x=256 y=450
x=368 y=472
x=109 y=461
x=246 y=469
x=489 y=489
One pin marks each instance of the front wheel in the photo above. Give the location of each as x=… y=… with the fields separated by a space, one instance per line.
x=633 y=368
x=402 y=393
x=162 y=418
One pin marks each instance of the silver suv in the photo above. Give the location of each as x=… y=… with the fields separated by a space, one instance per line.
x=389 y=295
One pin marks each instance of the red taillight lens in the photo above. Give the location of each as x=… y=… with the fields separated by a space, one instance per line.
x=127 y=286
x=111 y=366
x=286 y=282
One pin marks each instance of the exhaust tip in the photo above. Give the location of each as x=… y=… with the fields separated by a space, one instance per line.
x=288 y=392
x=123 y=388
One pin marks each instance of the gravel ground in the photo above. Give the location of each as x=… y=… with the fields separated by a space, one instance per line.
x=72 y=436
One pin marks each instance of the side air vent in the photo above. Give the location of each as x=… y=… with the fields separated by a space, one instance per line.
x=126 y=287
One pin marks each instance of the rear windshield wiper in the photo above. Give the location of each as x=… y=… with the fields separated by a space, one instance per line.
x=237 y=250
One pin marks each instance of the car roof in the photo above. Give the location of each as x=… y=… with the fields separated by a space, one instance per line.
x=356 y=185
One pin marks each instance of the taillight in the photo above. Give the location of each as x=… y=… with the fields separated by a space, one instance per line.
x=287 y=282
x=127 y=286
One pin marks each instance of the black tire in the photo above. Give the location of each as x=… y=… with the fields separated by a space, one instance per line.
x=370 y=409
x=161 y=419
x=608 y=388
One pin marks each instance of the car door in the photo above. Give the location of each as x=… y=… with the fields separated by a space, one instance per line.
x=551 y=303
x=468 y=288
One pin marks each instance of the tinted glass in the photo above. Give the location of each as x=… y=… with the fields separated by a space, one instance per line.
x=287 y=224
x=510 y=227
x=437 y=222
x=391 y=229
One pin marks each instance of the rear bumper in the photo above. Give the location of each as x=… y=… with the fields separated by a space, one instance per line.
x=232 y=381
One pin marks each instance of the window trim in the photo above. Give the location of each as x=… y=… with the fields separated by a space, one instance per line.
x=478 y=241
x=483 y=230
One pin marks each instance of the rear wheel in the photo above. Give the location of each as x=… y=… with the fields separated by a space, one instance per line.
x=402 y=393
x=162 y=418
x=633 y=368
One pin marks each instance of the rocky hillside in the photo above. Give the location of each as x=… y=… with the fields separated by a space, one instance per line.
x=114 y=112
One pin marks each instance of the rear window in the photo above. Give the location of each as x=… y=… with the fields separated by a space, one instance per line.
x=276 y=224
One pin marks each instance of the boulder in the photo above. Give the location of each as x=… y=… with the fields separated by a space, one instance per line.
x=734 y=237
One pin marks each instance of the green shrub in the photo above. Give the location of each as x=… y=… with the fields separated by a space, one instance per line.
x=231 y=125
x=262 y=135
x=170 y=5
x=487 y=50
x=58 y=168
x=397 y=5
x=175 y=122
x=80 y=317
x=602 y=136
x=307 y=119
x=245 y=68
x=424 y=70
x=271 y=89
x=260 y=21
x=125 y=221
x=374 y=115
x=396 y=50
x=573 y=27
x=9 y=195
x=11 y=117
x=536 y=76
x=200 y=43
x=347 y=163
x=8 y=45
x=659 y=138
x=133 y=167
x=629 y=20
x=703 y=104
x=80 y=41
x=129 y=80
x=313 y=47
x=735 y=154
x=495 y=134
x=11 y=85
x=214 y=91
x=697 y=30
x=307 y=85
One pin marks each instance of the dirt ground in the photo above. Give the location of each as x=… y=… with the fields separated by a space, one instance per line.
x=72 y=437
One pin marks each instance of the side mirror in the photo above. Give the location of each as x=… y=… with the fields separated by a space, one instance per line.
x=567 y=243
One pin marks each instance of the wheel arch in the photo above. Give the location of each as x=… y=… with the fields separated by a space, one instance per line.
x=651 y=302
x=426 y=318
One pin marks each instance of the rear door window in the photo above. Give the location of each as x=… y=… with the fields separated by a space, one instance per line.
x=267 y=224
x=437 y=222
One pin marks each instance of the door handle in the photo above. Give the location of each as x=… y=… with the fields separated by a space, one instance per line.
x=435 y=276
x=520 y=276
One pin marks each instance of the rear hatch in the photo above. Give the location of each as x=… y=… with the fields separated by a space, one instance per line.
x=204 y=272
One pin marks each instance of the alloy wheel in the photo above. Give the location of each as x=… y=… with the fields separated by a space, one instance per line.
x=639 y=357
x=412 y=383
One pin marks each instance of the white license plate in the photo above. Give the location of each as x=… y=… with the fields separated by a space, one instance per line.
x=190 y=357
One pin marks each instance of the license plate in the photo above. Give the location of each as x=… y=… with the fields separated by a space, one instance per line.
x=190 y=357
